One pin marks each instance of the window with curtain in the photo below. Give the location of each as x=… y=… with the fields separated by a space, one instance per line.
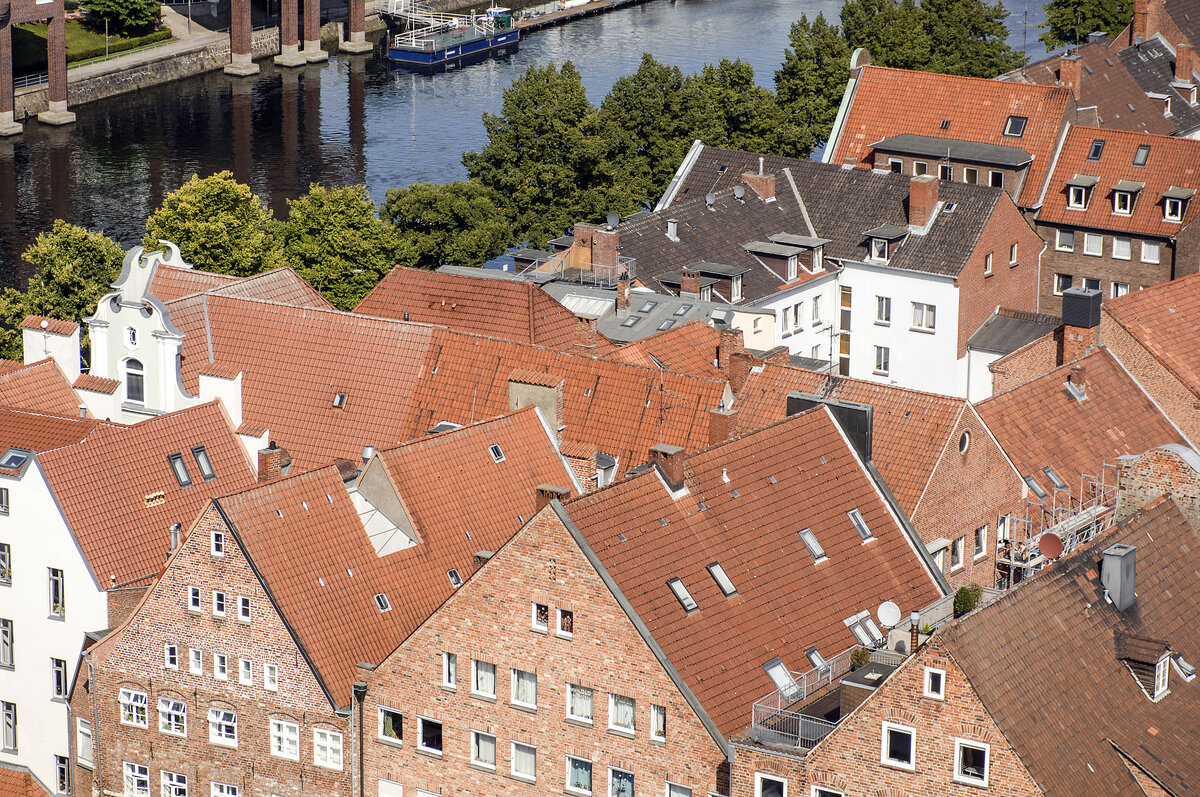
x=524 y=761
x=485 y=678
x=579 y=775
x=621 y=711
x=524 y=688
x=483 y=749
x=579 y=704
x=620 y=783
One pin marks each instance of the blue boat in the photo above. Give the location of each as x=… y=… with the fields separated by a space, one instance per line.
x=439 y=42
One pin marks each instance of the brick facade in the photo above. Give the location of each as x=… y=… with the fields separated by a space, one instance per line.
x=133 y=657
x=906 y=164
x=1133 y=273
x=1156 y=473
x=1028 y=362
x=490 y=619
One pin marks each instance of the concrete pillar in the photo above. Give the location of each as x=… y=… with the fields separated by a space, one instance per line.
x=56 y=58
x=241 y=41
x=358 y=29
x=289 y=41
x=8 y=125
x=312 y=32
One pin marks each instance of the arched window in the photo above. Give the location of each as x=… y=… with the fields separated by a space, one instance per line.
x=135 y=382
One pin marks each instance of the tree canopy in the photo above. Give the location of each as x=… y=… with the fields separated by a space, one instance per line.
x=810 y=83
x=459 y=224
x=125 y=16
x=1070 y=21
x=894 y=32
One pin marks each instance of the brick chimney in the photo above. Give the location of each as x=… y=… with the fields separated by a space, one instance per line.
x=586 y=336
x=623 y=286
x=669 y=460
x=689 y=284
x=548 y=492
x=1185 y=60
x=729 y=343
x=740 y=364
x=722 y=424
x=1081 y=323
x=1070 y=73
x=600 y=241
x=922 y=199
x=1141 y=21
x=1078 y=376
x=763 y=185
x=270 y=463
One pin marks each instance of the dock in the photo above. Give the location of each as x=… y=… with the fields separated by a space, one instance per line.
x=569 y=14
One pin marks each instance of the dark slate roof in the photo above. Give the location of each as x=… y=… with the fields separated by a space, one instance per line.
x=1008 y=330
x=1186 y=14
x=972 y=151
x=1153 y=67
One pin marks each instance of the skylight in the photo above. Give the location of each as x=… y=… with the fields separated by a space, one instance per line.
x=631 y=321
x=179 y=467
x=783 y=680
x=203 y=463
x=339 y=400
x=647 y=306
x=381 y=602
x=817 y=660
x=1055 y=479
x=860 y=525
x=1015 y=126
x=1139 y=157
x=1037 y=489
x=670 y=322
x=496 y=452
x=1097 y=149
x=810 y=542
x=718 y=573
x=14 y=458
x=455 y=579
x=683 y=596
x=682 y=310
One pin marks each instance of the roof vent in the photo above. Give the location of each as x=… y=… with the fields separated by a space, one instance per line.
x=367 y=452
x=1118 y=575
x=673 y=229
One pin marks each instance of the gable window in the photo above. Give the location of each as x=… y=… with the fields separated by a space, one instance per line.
x=970 y=176
x=622 y=713
x=391 y=725
x=193 y=599
x=1151 y=251
x=1139 y=157
x=980 y=541
x=769 y=786
x=172 y=717
x=996 y=178
x=327 y=748
x=133 y=708
x=135 y=382
x=83 y=741
x=1122 y=203
x=566 y=623
x=218 y=543
x=658 y=723
x=810 y=542
x=58 y=594
x=450 y=671
x=945 y=172
x=1015 y=126
x=429 y=735
x=878 y=249
x=58 y=677
x=620 y=783
x=203 y=463
x=524 y=762
x=987 y=264
x=1172 y=209
x=1012 y=254
x=483 y=750
x=137 y=780
x=579 y=775
x=883 y=310
x=1065 y=241
x=899 y=746
x=179 y=468
x=285 y=740
x=483 y=679
x=1096 y=150
x=579 y=703
x=174 y=784
x=723 y=581
x=860 y=525
x=956 y=554
x=540 y=617
x=524 y=688
x=222 y=727
x=935 y=683
x=971 y=762
x=923 y=316
x=1122 y=248
x=1077 y=197
x=683 y=596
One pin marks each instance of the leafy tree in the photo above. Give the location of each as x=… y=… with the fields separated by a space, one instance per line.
x=219 y=224
x=894 y=32
x=125 y=16
x=810 y=84
x=731 y=110
x=458 y=223
x=1070 y=21
x=969 y=38
x=75 y=268
x=335 y=239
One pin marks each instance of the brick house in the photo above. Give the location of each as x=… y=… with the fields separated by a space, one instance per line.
x=580 y=657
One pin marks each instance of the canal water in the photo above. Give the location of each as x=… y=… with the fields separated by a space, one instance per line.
x=352 y=120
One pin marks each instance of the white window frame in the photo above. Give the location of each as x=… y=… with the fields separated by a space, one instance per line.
x=1117 y=291
x=170 y=656
x=246 y=672
x=244 y=609
x=271 y=677
x=134 y=708
x=194 y=601
x=958 y=545
x=218 y=722
x=420 y=736
x=174 y=784
x=512 y=758
x=878 y=252
x=1177 y=204
x=1122 y=203
x=449 y=671
x=327 y=749
x=970 y=175
x=825 y=791
x=283 y=732
x=1162 y=676
x=883 y=310
x=475 y=690
x=1058 y=287
x=383 y=737
x=883 y=361
x=560 y=613
x=626 y=730
x=221 y=666
x=514 y=678
x=223 y=789
x=534 y=625
x=217 y=543
x=1091 y=283
x=987 y=264
x=995 y=179
x=612 y=781
x=134 y=774
x=83 y=742
x=1058 y=241
x=980 y=534
x=959 y=744
x=928 y=319
x=911 y=766
x=218 y=603
x=759 y=777
x=1012 y=253
x=1077 y=197
x=1088 y=249
x=195 y=661
x=919 y=168
x=570 y=704
x=927 y=689
x=658 y=712
x=1156 y=247
x=1128 y=242
x=172 y=713
x=479 y=762
x=58 y=677
x=58 y=593
x=591 y=772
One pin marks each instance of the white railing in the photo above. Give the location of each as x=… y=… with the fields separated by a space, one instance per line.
x=26 y=81
x=807 y=683
x=789 y=728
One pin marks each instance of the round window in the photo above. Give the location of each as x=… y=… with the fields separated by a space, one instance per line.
x=964 y=442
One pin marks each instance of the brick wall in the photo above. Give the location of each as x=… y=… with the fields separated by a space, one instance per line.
x=121 y=603
x=1154 y=474
x=133 y=657
x=490 y=619
x=1012 y=177
x=1032 y=360
x=1079 y=266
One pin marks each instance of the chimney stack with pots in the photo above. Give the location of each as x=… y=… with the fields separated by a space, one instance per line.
x=669 y=461
x=548 y=492
x=270 y=463
x=1070 y=72
x=922 y=199
x=623 y=286
x=763 y=184
x=689 y=284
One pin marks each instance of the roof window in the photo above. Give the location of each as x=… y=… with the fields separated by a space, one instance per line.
x=718 y=573
x=339 y=401
x=496 y=452
x=682 y=310
x=647 y=306
x=1015 y=126
x=670 y=322
x=381 y=602
x=818 y=661
x=14 y=458
x=814 y=547
x=945 y=123
x=1037 y=489
x=455 y=579
x=1054 y=478
x=789 y=690
x=1186 y=671
x=203 y=463
x=683 y=596
x=631 y=321
x=860 y=525
x=1139 y=157
x=1097 y=149
x=179 y=468
x=864 y=629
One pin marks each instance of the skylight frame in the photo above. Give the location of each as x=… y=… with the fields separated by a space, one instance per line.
x=1096 y=150
x=813 y=545
x=204 y=463
x=456 y=580
x=682 y=310
x=382 y=603
x=681 y=593
x=14 y=458
x=1014 y=126
x=647 y=306
x=724 y=583
x=782 y=677
x=497 y=452
x=1142 y=155
x=179 y=469
x=860 y=525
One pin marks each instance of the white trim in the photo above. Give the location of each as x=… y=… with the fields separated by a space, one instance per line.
x=883 y=746
x=926 y=691
x=959 y=744
x=759 y=777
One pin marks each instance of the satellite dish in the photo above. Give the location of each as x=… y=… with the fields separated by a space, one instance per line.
x=1050 y=545
x=738 y=192
x=613 y=220
x=888 y=614
x=710 y=199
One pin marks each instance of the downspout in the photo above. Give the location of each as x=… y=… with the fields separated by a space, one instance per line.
x=360 y=691
x=87 y=656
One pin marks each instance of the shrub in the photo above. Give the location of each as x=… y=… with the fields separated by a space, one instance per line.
x=966 y=598
x=860 y=657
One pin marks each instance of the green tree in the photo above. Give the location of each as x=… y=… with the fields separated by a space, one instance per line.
x=1070 y=21
x=549 y=155
x=894 y=32
x=219 y=224
x=730 y=110
x=457 y=223
x=969 y=38
x=75 y=268
x=125 y=16
x=810 y=84
x=335 y=239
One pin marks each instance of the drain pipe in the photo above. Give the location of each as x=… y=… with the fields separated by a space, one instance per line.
x=87 y=656
x=360 y=692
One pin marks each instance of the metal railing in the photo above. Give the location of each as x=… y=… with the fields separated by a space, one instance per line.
x=25 y=81
x=807 y=683
x=597 y=274
x=941 y=610
x=790 y=728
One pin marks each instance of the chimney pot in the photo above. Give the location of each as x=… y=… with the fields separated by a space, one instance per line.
x=922 y=199
x=914 y=637
x=1078 y=374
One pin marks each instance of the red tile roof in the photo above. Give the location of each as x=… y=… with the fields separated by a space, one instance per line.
x=277 y=285
x=506 y=309
x=18 y=781
x=41 y=431
x=170 y=283
x=1164 y=318
x=303 y=530
x=687 y=349
x=38 y=386
x=891 y=102
x=1172 y=162
x=120 y=496
x=55 y=326
x=96 y=384
x=910 y=428
x=1040 y=425
x=757 y=493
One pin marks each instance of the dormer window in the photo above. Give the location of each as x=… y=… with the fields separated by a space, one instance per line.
x=1162 y=674
x=1173 y=210
x=878 y=250
x=791 y=268
x=736 y=289
x=1077 y=197
x=1015 y=126
x=1122 y=203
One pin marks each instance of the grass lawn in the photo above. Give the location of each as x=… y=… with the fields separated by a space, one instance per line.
x=83 y=42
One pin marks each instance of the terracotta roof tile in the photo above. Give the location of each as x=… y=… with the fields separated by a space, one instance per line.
x=251 y=429
x=38 y=386
x=746 y=502
x=41 y=431
x=170 y=283
x=1172 y=162
x=910 y=428
x=96 y=384
x=18 y=781
x=221 y=371
x=527 y=377
x=1164 y=318
x=10 y=365
x=281 y=285
x=55 y=326
x=889 y=102
x=687 y=349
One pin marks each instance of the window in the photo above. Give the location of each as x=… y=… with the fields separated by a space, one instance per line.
x=172 y=716
x=970 y=176
x=769 y=786
x=566 y=623
x=682 y=310
x=137 y=780
x=647 y=306
x=816 y=310
x=1122 y=203
x=218 y=543
x=883 y=309
x=1093 y=244
x=174 y=784
x=810 y=542
x=964 y=442
x=1122 y=248
x=1097 y=149
x=540 y=617
x=483 y=678
x=878 y=249
x=579 y=703
x=9 y=740
x=1119 y=289
x=971 y=762
x=62 y=774
x=864 y=629
x=193 y=599
x=658 y=723
x=58 y=597
x=956 y=554
x=1091 y=283
x=246 y=672
x=1077 y=197
x=1151 y=251
x=923 y=315
x=171 y=656
x=895 y=165
x=271 y=677
x=6 y=643
x=429 y=735
x=218 y=603
x=497 y=453
x=133 y=708
x=455 y=579
x=220 y=666
x=58 y=677
x=1065 y=241
x=676 y=790
x=899 y=746
x=631 y=321
x=996 y=178
x=135 y=382
x=860 y=525
x=935 y=683
x=524 y=688
x=524 y=762
x=339 y=400
x=736 y=289
x=621 y=713
x=620 y=783
x=987 y=264
x=1139 y=157
x=222 y=727
x=179 y=468
x=785 y=684
x=450 y=670
x=718 y=573
x=195 y=662
x=83 y=741
x=797 y=314
x=818 y=791
x=1061 y=283
x=945 y=172
x=483 y=750
x=1162 y=673
x=391 y=725
x=1172 y=209
x=579 y=775
x=224 y=790
x=243 y=609
x=327 y=748
x=203 y=463
x=980 y=541
x=285 y=740
x=1012 y=254
x=382 y=603
x=683 y=596
x=1015 y=126
x=5 y=552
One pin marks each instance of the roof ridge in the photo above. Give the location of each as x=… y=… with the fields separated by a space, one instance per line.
x=872 y=384
x=464 y=427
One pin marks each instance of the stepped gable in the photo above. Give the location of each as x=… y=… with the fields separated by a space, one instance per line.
x=745 y=502
x=38 y=386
